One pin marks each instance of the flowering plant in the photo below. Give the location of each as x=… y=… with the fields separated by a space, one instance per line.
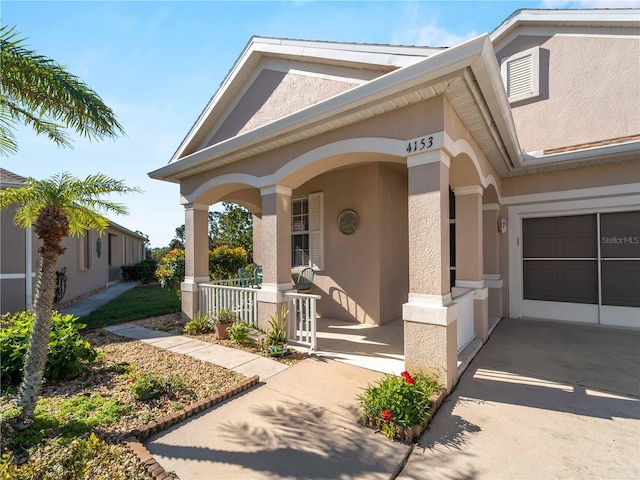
x=398 y=401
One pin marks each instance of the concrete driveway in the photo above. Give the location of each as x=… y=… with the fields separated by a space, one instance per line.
x=542 y=400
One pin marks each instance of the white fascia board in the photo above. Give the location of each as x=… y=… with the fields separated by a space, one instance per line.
x=627 y=17
x=446 y=62
x=365 y=48
x=535 y=159
x=487 y=73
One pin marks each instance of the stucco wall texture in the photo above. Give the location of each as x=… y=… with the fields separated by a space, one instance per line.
x=365 y=274
x=589 y=88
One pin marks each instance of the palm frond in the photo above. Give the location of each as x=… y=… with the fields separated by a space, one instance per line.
x=82 y=200
x=39 y=84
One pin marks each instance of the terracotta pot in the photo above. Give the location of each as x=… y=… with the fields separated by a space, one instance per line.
x=222 y=330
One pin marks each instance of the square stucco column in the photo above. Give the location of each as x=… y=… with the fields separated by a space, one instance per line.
x=196 y=261
x=430 y=335
x=276 y=250
x=491 y=251
x=469 y=255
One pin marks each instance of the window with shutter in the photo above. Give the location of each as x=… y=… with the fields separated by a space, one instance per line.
x=520 y=74
x=306 y=232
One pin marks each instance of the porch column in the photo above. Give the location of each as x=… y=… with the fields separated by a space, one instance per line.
x=430 y=334
x=491 y=252
x=469 y=255
x=276 y=250
x=196 y=261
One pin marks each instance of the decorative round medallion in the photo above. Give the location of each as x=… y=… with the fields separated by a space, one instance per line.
x=348 y=222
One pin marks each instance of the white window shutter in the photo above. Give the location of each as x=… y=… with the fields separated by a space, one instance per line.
x=316 y=243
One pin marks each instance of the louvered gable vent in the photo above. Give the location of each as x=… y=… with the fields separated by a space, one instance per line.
x=520 y=75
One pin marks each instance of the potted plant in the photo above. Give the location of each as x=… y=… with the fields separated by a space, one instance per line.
x=223 y=321
x=277 y=336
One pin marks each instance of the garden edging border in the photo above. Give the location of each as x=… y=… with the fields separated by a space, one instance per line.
x=133 y=441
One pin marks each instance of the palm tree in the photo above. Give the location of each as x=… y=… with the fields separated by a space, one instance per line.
x=38 y=92
x=55 y=208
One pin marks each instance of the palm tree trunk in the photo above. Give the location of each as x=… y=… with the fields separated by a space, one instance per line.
x=39 y=338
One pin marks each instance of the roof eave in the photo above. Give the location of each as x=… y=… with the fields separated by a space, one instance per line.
x=456 y=59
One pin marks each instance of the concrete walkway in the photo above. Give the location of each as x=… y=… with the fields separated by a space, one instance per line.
x=89 y=304
x=239 y=361
x=541 y=400
x=300 y=424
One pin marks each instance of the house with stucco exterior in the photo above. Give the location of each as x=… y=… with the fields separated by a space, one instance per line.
x=90 y=262
x=445 y=188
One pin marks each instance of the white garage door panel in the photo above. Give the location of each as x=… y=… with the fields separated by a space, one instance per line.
x=620 y=316
x=569 y=312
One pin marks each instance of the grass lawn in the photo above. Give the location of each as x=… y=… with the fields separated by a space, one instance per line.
x=142 y=301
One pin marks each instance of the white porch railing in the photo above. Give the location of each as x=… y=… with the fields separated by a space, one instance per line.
x=213 y=298
x=301 y=321
x=465 y=319
x=230 y=282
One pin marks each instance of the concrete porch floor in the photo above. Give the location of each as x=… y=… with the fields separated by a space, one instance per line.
x=378 y=348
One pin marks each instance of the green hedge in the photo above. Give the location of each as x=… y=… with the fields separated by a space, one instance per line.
x=67 y=349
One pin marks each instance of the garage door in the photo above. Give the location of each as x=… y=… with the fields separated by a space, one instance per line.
x=583 y=268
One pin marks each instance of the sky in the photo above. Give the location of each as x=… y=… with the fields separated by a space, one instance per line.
x=156 y=64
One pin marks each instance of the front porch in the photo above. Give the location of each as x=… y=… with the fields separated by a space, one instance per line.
x=375 y=347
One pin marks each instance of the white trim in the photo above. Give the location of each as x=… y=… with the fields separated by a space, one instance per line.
x=436 y=156
x=570 y=312
x=493 y=280
x=468 y=190
x=607 y=191
x=196 y=206
x=191 y=280
x=15 y=276
x=574 y=207
x=474 y=284
x=429 y=300
x=538 y=158
x=558 y=20
x=278 y=189
x=430 y=313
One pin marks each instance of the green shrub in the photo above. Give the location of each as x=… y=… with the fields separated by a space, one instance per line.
x=238 y=332
x=170 y=271
x=142 y=384
x=67 y=349
x=226 y=315
x=398 y=401
x=82 y=458
x=224 y=262
x=143 y=271
x=198 y=324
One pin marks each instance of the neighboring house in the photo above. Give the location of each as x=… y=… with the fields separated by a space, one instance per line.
x=499 y=177
x=90 y=261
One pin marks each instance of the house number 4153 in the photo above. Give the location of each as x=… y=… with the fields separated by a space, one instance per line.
x=419 y=144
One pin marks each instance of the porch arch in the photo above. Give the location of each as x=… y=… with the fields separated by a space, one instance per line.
x=296 y=171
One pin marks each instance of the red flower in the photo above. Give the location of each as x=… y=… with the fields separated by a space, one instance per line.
x=408 y=378
x=386 y=415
